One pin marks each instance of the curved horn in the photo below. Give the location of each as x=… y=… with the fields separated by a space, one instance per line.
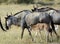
x=37 y=6
x=7 y=13
x=33 y=6
x=11 y=13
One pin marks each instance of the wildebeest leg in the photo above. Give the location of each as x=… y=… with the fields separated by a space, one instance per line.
x=51 y=36
x=2 y=26
x=22 y=33
x=54 y=30
x=30 y=33
x=23 y=27
x=53 y=27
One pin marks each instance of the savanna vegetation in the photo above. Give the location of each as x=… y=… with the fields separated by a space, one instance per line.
x=30 y=1
x=13 y=35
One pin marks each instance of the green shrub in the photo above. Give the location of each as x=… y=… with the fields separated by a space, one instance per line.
x=25 y=1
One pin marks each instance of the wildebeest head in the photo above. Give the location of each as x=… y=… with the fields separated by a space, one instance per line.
x=8 y=21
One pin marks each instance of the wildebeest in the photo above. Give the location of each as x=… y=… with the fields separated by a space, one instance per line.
x=34 y=18
x=15 y=19
x=55 y=14
x=27 y=19
x=1 y=25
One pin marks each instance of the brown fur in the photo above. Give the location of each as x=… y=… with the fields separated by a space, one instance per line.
x=40 y=26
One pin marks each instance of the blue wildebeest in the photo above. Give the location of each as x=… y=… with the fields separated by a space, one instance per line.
x=26 y=19
x=15 y=19
x=34 y=18
x=55 y=14
x=1 y=25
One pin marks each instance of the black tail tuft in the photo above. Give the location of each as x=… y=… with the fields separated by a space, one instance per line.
x=1 y=25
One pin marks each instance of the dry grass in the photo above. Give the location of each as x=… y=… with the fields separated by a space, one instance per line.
x=13 y=36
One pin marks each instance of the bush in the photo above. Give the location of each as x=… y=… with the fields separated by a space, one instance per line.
x=17 y=1
x=25 y=1
x=3 y=1
x=44 y=3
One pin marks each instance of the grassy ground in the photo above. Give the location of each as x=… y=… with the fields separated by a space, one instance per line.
x=13 y=36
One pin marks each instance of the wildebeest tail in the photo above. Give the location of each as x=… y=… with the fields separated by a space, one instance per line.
x=1 y=25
